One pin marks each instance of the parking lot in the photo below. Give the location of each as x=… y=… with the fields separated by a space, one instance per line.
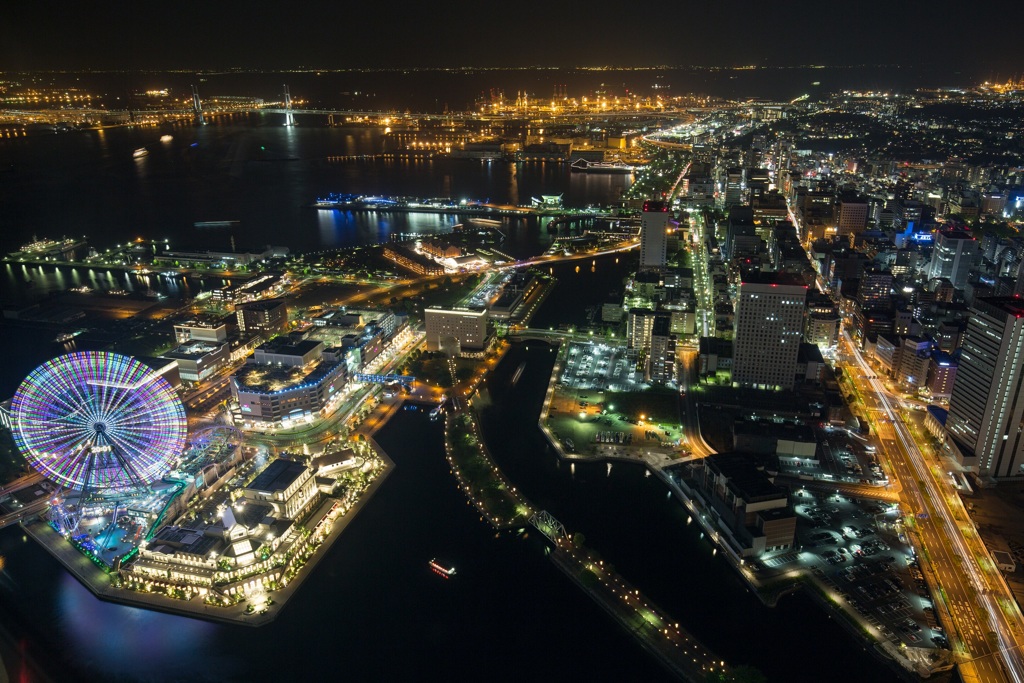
x=857 y=549
x=599 y=366
x=842 y=457
x=584 y=415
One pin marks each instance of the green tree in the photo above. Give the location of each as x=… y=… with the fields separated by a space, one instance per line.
x=747 y=674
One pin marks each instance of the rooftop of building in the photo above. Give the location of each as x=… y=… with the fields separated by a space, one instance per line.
x=745 y=476
x=253 y=514
x=938 y=413
x=810 y=353
x=716 y=345
x=286 y=346
x=777 y=430
x=1012 y=305
x=175 y=539
x=277 y=476
x=192 y=350
x=773 y=279
x=206 y=321
x=457 y=311
x=956 y=235
x=269 y=379
x=262 y=305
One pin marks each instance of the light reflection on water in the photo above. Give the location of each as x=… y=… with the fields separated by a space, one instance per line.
x=100 y=634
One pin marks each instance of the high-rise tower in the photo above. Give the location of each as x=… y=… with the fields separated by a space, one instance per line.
x=768 y=330
x=986 y=407
x=653 y=235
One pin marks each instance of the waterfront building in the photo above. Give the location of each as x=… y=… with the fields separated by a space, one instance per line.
x=745 y=504
x=204 y=328
x=468 y=329
x=287 y=486
x=249 y=290
x=411 y=260
x=267 y=316
x=246 y=549
x=986 y=406
x=653 y=235
x=197 y=360
x=768 y=327
x=285 y=384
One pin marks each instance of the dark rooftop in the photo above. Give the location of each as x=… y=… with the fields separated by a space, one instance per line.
x=278 y=476
x=745 y=479
x=261 y=305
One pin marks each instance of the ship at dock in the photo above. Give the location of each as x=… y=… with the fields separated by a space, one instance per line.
x=584 y=166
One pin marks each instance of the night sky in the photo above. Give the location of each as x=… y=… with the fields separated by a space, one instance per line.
x=983 y=37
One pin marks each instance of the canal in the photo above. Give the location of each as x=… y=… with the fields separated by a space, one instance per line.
x=630 y=519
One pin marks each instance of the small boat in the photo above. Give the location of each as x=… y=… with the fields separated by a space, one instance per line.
x=140 y=152
x=67 y=336
x=166 y=138
x=444 y=572
x=518 y=373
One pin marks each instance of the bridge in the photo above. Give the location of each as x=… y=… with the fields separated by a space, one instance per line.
x=546 y=523
x=384 y=379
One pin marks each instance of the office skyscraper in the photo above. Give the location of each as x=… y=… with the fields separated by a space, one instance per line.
x=768 y=330
x=653 y=235
x=986 y=408
x=953 y=257
x=733 y=187
x=853 y=215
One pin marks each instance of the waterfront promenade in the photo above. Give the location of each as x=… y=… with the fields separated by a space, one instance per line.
x=101 y=583
x=674 y=648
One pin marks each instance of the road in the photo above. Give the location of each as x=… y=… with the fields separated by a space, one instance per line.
x=967 y=597
x=688 y=371
x=27 y=511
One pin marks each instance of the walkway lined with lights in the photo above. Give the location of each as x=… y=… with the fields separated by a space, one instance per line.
x=672 y=646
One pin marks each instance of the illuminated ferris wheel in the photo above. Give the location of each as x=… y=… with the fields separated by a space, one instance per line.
x=98 y=422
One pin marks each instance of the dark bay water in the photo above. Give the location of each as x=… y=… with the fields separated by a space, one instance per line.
x=252 y=170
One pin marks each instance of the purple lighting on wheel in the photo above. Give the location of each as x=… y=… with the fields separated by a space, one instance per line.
x=98 y=421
